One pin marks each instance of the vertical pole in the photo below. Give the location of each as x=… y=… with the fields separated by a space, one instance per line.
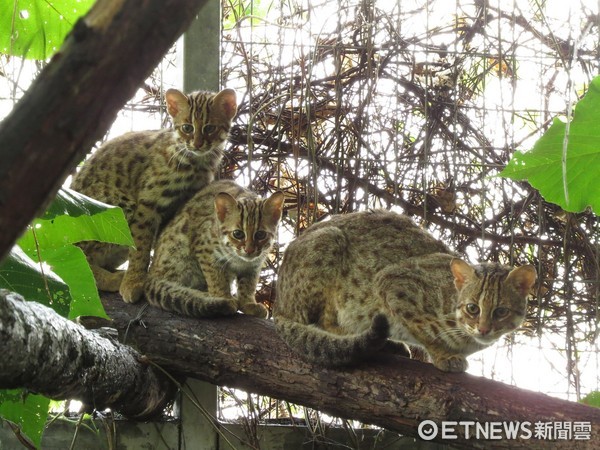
x=202 y=50
x=201 y=71
x=198 y=429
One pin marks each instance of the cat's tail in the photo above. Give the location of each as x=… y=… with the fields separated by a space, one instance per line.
x=174 y=297
x=333 y=350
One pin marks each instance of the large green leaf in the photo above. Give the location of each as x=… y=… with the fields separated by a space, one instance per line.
x=542 y=166
x=19 y=273
x=37 y=28
x=71 y=203
x=73 y=218
x=30 y=411
x=71 y=265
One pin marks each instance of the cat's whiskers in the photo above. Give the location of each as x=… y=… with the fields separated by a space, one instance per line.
x=178 y=150
x=181 y=152
x=451 y=332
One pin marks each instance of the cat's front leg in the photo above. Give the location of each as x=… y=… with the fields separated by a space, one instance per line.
x=246 y=295
x=106 y=280
x=132 y=286
x=218 y=280
x=144 y=226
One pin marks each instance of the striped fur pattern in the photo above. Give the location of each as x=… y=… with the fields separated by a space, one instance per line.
x=224 y=233
x=348 y=284
x=150 y=174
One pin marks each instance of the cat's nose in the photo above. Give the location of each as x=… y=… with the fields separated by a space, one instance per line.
x=198 y=141
x=483 y=330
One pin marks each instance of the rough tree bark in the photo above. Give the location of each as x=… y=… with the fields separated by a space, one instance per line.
x=74 y=100
x=393 y=392
x=50 y=355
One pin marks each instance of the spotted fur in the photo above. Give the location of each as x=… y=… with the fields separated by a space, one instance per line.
x=348 y=284
x=149 y=174
x=223 y=233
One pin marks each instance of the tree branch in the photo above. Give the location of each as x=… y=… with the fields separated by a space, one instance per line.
x=50 y=355
x=392 y=392
x=74 y=100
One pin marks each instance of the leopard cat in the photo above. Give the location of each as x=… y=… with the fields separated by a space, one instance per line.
x=372 y=281
x=223 y=233
x=149 y=174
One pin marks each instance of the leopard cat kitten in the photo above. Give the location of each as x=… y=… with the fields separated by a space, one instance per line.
x=149 y=174
x=223 y=233
x=348 y=284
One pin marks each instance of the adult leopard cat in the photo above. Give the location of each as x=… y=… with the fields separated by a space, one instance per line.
x=348 y=284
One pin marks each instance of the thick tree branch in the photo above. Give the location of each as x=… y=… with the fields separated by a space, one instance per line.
x=76 y=97
x=53 y=356
x=392 y=392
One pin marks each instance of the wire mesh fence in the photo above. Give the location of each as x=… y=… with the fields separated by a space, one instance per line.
x=414 y=106
x=417 y=106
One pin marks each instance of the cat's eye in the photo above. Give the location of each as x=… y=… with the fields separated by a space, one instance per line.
x=260 y=235
x=187 y=128
x=238 y=234
x=501 y=312
x=208 y=129
x=472 y=309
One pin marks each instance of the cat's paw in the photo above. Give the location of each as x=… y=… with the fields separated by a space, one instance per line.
x=454 y=363
x=132 y=288
x=255 y=309
x=108 y=281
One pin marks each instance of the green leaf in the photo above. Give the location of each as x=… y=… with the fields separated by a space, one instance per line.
x=72 y=203
x=542 y=166
x=592 y=399
x=19 y=273
x=36 y=29
x=28 y=410
x=71 y=265
x=73 y=218
x=253 y=10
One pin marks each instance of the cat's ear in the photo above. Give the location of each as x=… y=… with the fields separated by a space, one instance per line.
x=461 y=271
x=522 y=279
x=273 y=206
x=176 y=102
x=226 y=101
x=224 y=204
